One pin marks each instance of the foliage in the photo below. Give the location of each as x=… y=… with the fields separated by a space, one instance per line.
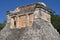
x=55 y=20
x=2 y=25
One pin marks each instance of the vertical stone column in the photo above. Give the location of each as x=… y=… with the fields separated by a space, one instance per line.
x=29 y=20
x=17 y=22
x=27 y=23
x=8 y=18
x=12 y=23
x=36 y=14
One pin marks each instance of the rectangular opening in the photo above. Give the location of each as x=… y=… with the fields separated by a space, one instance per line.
x=14 y=19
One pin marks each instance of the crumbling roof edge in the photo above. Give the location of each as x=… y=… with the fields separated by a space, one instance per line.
x=30 y=5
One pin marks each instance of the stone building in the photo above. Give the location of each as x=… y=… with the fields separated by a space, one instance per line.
x=30 y=22
x=25 y=15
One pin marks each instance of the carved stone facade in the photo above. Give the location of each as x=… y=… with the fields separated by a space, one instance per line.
x=24 y=16
x=32 y=22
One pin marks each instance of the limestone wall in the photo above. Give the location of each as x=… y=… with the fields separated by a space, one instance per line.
x=43 y=14
x=21 y=21
x=26 y=19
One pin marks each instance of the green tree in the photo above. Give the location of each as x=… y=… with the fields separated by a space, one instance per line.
x=55 y=20
x=2 y=25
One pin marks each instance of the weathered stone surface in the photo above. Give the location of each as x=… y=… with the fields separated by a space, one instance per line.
x=36 y=27
x=40 y=30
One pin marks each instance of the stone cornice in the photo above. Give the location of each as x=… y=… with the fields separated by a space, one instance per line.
x=29 y=8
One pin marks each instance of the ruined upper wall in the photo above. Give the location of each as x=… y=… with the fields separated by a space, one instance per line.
x=24 y=16
x=30 y=8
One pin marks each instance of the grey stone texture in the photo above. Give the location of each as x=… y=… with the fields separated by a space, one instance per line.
x=40 y=30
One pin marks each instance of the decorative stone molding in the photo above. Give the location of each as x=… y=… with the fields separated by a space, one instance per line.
x=24 y=16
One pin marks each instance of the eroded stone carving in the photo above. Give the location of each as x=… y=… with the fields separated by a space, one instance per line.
x=20 y=20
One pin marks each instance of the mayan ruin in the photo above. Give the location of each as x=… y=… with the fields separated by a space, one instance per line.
x=30 y=22
x=24 y=16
